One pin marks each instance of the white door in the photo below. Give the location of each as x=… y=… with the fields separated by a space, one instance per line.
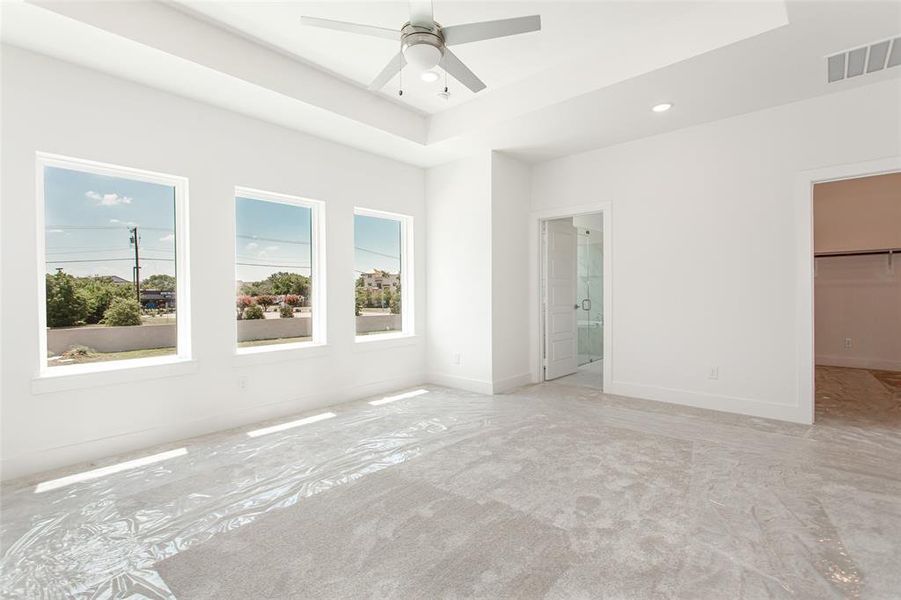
x=560 y=308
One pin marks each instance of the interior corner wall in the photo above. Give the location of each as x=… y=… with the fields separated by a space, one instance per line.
x=53 y=106
x=458 y=250
x=510 y=196
x=704 y=244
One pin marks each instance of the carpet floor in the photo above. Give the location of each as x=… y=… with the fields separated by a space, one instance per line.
x=552 y=491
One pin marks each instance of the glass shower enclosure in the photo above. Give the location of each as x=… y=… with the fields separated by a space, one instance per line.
x=590 y=294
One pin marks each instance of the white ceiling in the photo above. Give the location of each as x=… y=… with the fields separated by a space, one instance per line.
x=571 y=32
x=712 y=59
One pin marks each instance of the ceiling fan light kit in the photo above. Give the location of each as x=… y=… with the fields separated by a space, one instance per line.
x=424 y=43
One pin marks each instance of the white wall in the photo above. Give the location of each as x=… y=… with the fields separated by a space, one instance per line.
x=458 y=251
x=858 y=298
x=704 y=241
x=510 y=192
x=478 y=273
x=55 y=107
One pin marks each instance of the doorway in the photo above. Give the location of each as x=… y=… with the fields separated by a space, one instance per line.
x=572 y=300
x=857 y=298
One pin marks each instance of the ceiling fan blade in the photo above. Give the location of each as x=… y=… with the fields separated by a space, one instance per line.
x=461 y=72
x=486 y=30
x=421 y=13
x=371 y=30
x=393 y=67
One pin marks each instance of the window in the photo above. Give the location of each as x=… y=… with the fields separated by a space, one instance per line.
x=278 y=241
x=382 y=274
x=112 y=259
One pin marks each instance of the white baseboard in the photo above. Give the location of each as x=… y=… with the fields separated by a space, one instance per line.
x=510 y=383
x=730 y=404
x=41 y=461
x=461 y=383
x=859 y=363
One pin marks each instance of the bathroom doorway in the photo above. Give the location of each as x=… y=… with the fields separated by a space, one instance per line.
x=572 y=300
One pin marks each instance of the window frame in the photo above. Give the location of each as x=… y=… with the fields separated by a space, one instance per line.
x=318 y=307
x=407 y=279
x=183 y=350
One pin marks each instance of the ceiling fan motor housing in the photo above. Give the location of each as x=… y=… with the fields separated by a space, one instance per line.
x=423 y=47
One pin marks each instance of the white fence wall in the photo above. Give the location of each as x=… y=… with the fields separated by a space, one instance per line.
x=143 y=337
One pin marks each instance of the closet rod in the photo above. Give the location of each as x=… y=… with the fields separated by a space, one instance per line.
x=888 y=251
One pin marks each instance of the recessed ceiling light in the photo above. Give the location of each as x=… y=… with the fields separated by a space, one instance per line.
x=429 y=76
x=662 y=107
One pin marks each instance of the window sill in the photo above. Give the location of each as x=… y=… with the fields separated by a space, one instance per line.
x=260 y=355
x=75 y=377
x=366 y=343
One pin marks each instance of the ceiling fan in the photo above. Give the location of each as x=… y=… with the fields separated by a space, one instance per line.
x=424 y=43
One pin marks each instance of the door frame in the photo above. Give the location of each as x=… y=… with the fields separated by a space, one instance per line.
x=804 y=182
x=536 y=284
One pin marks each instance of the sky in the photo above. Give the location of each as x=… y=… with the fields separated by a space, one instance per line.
x=88 y=218
x=271 y=237
x=376 y=245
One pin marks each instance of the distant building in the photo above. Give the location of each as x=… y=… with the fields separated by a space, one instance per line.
x=381 y=280
x=157 y=299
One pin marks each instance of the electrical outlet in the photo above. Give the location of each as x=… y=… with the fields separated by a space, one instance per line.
x=242 y=383
x=713 y=373
x=458 y=359
x=848 y=343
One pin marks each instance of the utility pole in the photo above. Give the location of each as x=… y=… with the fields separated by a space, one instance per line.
x=137 y=268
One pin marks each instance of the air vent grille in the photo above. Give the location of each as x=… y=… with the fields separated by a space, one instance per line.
x=868 y=59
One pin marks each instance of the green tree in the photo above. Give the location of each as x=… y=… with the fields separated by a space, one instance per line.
x=165 y=283
x=394 y=305
x=375 y=299
x=256 y=288
x=282 y=283
x=65 y=306
x=123 y=312
x=98 y=293
x=387 y=297
x=360 y=299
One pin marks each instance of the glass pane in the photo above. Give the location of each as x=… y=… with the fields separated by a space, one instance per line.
x=590 y=292
x=377 y=270
x=111 y=281
x=274 y=285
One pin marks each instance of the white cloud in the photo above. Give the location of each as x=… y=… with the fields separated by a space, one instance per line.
x=168 y=238
x=115 y=221
x=54 y=231
x=251 y=246
x=107 y=199
x=271 y=248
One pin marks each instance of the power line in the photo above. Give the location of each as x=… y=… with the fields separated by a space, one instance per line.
x=378 y=253
x=243 y=264
x=93 y=260
x=109 y=227
x=265 y=239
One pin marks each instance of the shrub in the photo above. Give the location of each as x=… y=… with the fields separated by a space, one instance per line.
x=65 y=306
x=293 y=300
x=286 y=312
x=266 y=300
x=78 y=352
x=123 y=312
x=253 y=312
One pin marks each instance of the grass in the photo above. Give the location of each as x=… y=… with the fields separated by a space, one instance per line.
x=108 y=356
x=291 y=340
